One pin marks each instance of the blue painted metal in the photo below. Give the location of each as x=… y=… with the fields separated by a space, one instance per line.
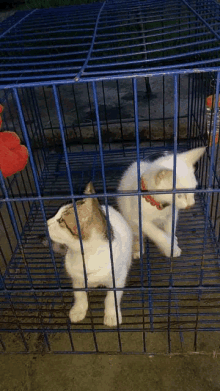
x=88 y=47
x=139 y=205
x=187 y=32
x=175 y=135
x=106 y=205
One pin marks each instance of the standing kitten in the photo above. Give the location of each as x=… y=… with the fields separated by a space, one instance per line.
x=93 y=226
x=157 y=209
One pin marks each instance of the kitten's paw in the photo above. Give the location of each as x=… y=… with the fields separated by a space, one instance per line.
x=136 y=249
x=110 y=318
x=176 y=252
x=167 y=248
x=77 y=313
x=136 y=255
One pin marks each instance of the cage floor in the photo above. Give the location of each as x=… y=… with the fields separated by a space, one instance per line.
x=178 y=295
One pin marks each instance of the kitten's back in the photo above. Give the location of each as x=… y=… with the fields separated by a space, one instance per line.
x=122 y=241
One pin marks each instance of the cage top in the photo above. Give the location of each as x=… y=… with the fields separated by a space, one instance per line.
x=114 y=38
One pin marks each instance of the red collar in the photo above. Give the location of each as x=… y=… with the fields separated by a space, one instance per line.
x=150 y=199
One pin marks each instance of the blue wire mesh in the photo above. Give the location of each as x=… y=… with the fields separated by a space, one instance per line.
x=104 y=39
x=167 y=304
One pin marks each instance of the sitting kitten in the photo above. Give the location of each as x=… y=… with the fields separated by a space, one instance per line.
x=93 y=225
x=157 y=209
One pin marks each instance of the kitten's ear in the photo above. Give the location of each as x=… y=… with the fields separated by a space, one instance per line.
x=163 y=174
x=89 y=189
x=192 y=156
x=93 y=202
x=94 y=211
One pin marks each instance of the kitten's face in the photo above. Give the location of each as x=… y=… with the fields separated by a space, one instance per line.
x=185 y=178
x=182 y=200
x=59 y=232
x=63 y=226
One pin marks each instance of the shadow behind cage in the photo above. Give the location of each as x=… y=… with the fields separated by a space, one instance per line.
x=93 y=129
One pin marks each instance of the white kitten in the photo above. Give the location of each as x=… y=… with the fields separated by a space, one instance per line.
x=93 y=225
x=157 y=218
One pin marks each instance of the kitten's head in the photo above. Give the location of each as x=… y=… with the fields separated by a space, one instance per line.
x=63 y=227
x=185 y=177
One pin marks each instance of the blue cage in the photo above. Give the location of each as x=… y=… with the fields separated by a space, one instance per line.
x=89 y=89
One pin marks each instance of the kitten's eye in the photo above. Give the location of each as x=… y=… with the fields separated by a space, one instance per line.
x=80 y=202
x=179 y=196
x=61 y=222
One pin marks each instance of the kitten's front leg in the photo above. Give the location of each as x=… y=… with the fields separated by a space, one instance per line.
x=161 y=239
x=168 y=225
x=136 y=247
x=110 y=317
x=80 y=307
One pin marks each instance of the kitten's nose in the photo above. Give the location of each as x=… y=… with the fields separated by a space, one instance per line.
x=48 y=222
x=190 y=205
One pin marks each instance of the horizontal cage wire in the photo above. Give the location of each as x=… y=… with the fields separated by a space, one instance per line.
x=90 y=89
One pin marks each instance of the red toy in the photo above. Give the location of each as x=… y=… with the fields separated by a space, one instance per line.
x=13 y=155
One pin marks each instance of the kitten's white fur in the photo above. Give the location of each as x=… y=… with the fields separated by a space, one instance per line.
x=158 y=175
x=97 y=261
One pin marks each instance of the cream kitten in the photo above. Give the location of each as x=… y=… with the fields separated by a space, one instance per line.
x=93 y=225
x=157 y=218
